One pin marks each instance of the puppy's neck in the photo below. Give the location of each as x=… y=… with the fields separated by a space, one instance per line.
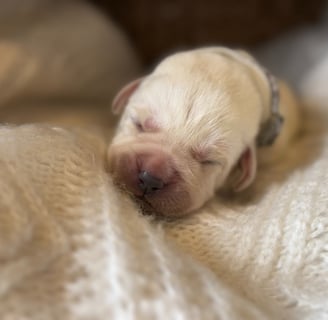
x=271 y=127
x=271 y=118
x=265 y=83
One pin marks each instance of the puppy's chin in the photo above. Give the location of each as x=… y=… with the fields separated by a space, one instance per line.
x=172 y=203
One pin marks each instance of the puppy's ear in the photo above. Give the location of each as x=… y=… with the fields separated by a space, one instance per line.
x=123 y=96
x=247 y=167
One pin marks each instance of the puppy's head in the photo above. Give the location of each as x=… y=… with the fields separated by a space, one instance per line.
x=188 y=126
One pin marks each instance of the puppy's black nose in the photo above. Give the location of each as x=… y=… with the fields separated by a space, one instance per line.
x=148 y=183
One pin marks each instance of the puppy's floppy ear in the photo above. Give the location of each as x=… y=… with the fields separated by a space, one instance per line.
x=123 y=96
x=247 y=167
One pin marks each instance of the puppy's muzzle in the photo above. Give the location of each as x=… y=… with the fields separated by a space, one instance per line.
x=152 y=174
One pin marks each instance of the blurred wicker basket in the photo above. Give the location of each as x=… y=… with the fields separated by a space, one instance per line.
x=157 y=27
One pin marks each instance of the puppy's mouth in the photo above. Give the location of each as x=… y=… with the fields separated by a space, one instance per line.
x=157 y=205
x=146 y=207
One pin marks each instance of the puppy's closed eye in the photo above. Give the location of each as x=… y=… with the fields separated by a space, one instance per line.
x=204 y=158
x=138 y=125
x=148 y=125
x=209 y=162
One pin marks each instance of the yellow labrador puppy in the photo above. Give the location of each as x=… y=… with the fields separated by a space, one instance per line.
x=195 y=123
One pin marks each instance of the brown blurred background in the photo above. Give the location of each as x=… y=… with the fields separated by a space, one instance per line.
x=158 y=27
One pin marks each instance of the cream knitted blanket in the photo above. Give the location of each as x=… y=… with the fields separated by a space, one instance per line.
x=73 y=247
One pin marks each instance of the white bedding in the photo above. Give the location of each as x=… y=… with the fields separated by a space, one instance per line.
x=72 y=247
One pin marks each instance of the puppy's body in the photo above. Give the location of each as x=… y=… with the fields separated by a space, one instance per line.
x=193 y=121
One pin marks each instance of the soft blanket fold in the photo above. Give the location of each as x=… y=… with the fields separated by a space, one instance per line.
x=72 y=247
